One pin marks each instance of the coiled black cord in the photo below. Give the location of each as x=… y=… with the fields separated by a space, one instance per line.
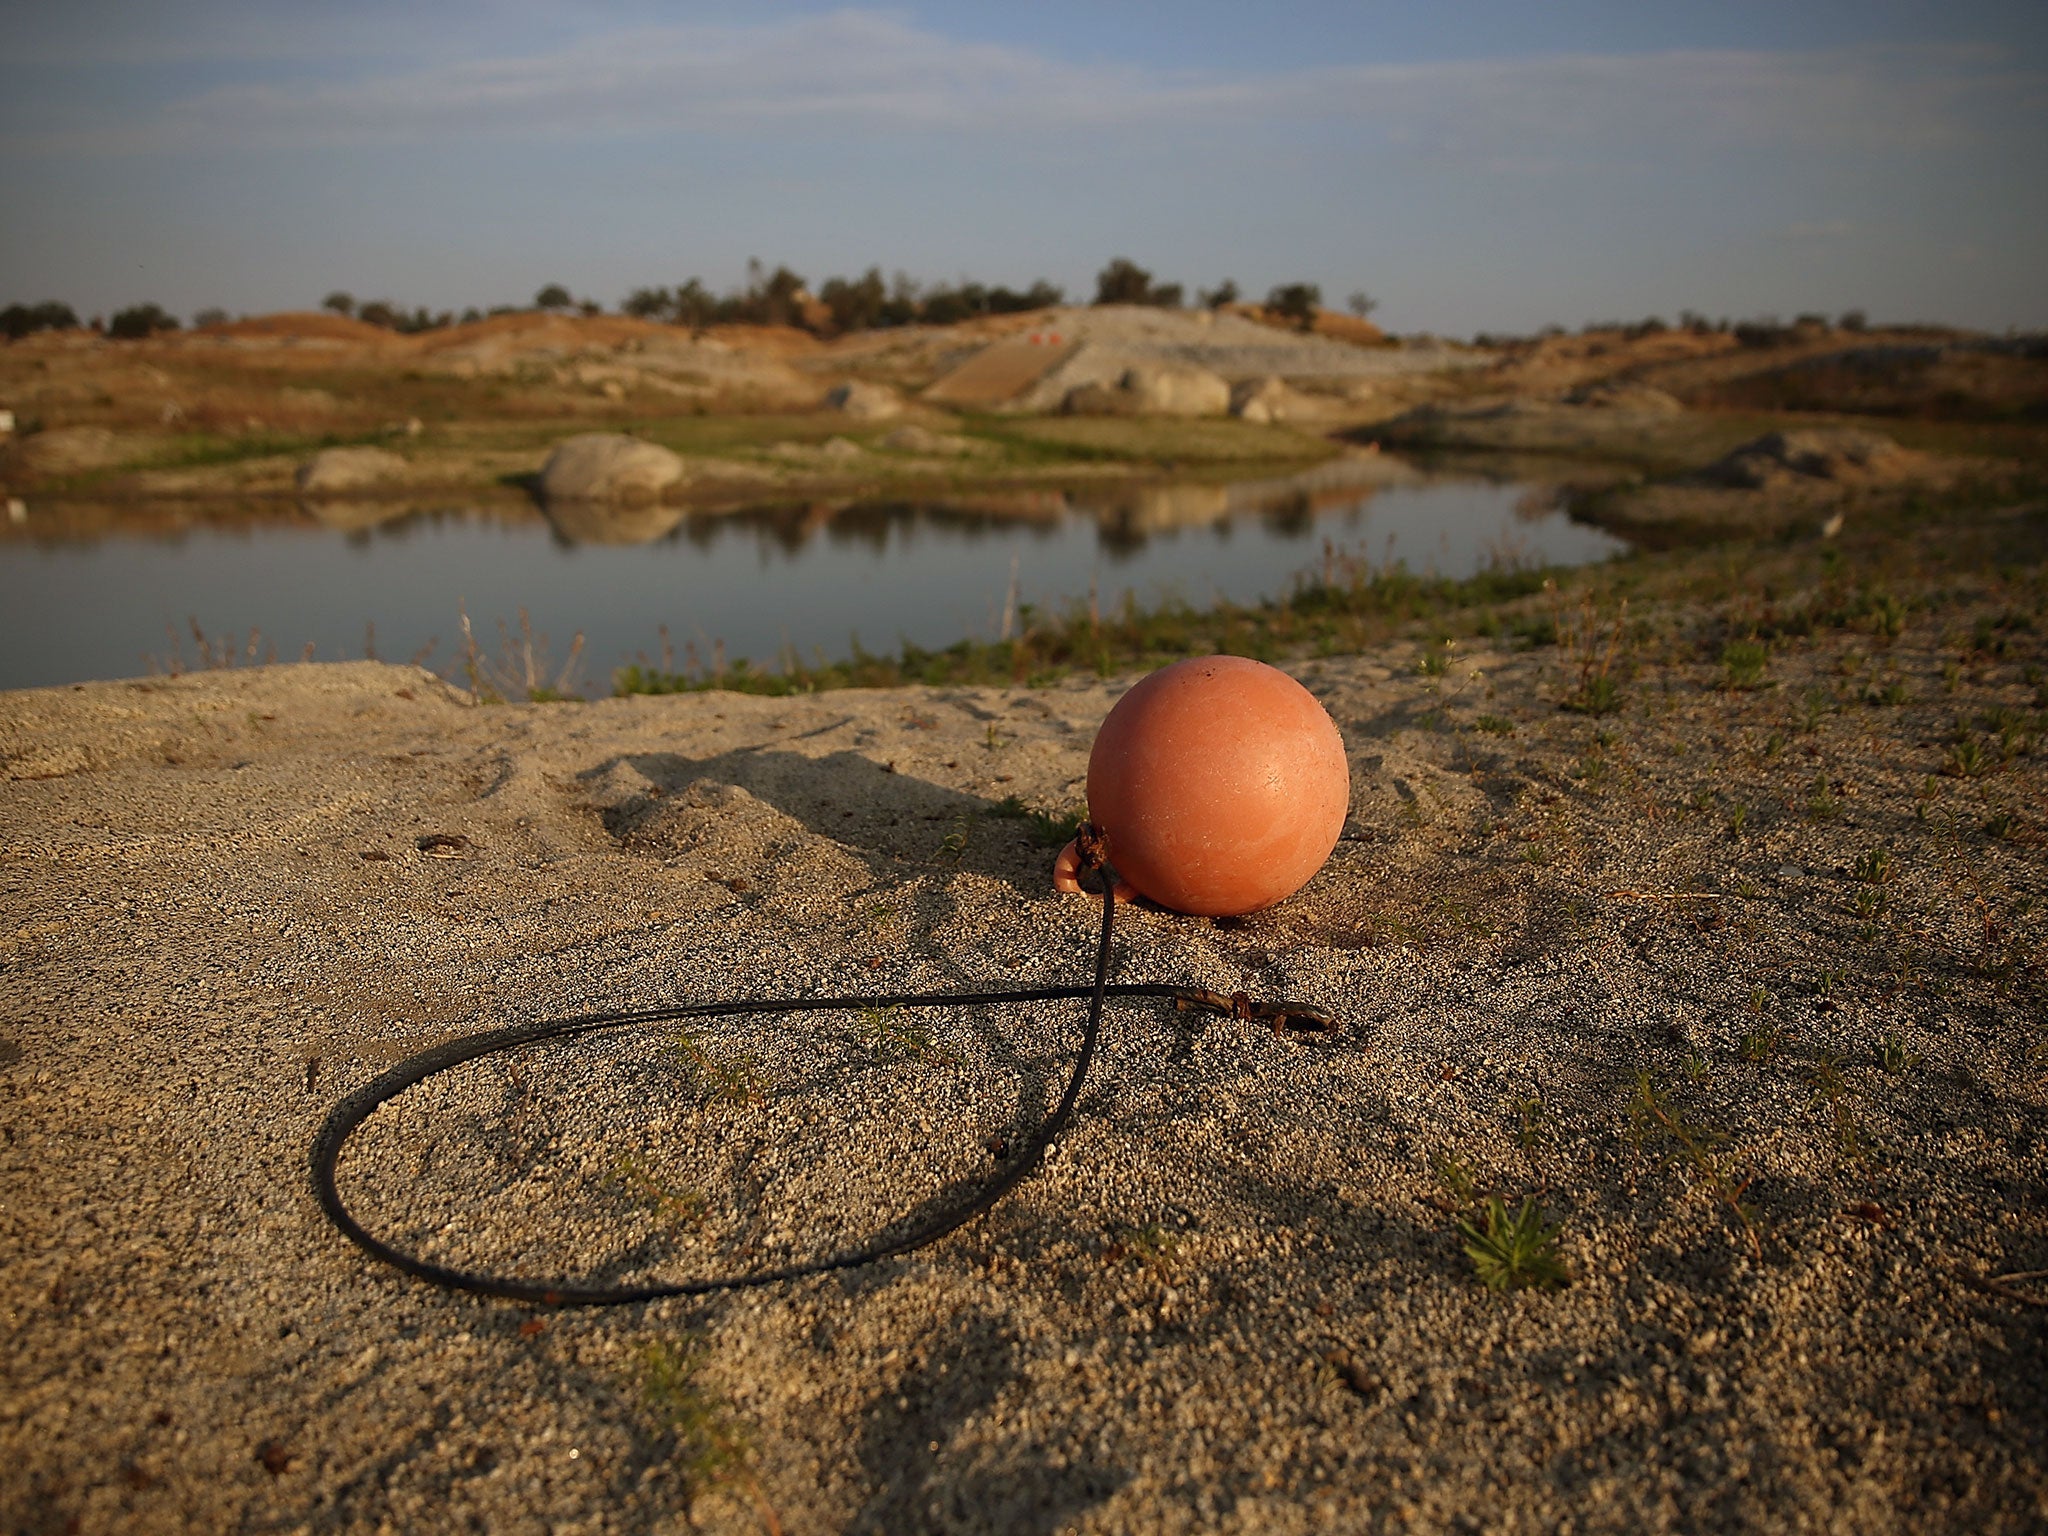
x=348 y=1115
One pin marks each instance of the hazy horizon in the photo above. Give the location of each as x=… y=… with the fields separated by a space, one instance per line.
x=1487 y=170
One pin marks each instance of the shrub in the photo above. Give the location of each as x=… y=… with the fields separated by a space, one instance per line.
x=139 y=321
x=1297 y=302
x=19 y=320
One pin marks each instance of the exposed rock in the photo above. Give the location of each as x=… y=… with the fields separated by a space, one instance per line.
x=338 y=471
x=1176 y=389
x=863 y=401
x=1834 y=454
x=1267 y=400
x=70 y=450
x=608 y=466
x=1098 y=400
x=1621 y=395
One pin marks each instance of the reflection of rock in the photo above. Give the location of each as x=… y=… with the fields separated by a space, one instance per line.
x=864 y=401
x=1157 y=508
x=337 y=471
x=608 y=466
x=584 y=521
x=345 y=515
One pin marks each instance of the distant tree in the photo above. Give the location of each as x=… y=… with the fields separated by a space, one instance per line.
x=589 y=308
x=381 y=312
x=471 y=315
x=1361 y=303
x=1040 y=295
x=1123 y=282
x=1166 y=295
x=856 y=305
x=1223 y=293
x=1854 y=320
x=649 y=304
x=695 y=304
x=779 y=297
x=19 y=320
x=554 y=296
x=341 y=303
x=141 y=320
x=1297 y=302
x=210 y=316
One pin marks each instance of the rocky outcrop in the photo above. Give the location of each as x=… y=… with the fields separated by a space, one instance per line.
x=1842 y=454
x=69 y=450
x=608 y=466
x=1267 y=400
x=346 y=471
x=863 y=401
x=1622 y=395
x=1176 y=389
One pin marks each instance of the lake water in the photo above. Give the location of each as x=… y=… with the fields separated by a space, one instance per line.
x=116 y=595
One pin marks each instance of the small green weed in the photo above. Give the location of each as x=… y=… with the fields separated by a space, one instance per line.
x=1876 y=867
x=1822 y=803
x=731 y=1078
x=1761 y=1044
x=1657 y=1121
x=1049 y=829
x=1895 y=1056
x=1494 y=725
x=713 y=1448
x=1149 y=1246
x=1966 y=759
x=1831 y=1089
x=669 y=1204
x=1511 y=1252
x=892 y=1033
x=1743 y=663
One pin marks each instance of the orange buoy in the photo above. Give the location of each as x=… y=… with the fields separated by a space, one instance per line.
x=1220 y=785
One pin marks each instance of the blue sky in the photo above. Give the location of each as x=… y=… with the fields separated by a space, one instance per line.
x=1480 y=166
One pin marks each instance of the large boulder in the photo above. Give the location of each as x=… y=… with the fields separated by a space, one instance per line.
x=608 y=466
x=863 y=401
x=342 y=471
x=1267 y=400
x=69 y=450
x=1842 y=454
x=1175 y=389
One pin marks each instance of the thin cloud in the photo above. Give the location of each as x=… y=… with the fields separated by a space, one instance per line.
x=861 y=71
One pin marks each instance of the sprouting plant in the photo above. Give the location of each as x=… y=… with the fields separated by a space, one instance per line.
x=1695 y=1066
x=1655 y=1120
x=1759 y=999
x=1887 y=616
x=1512 y=1251
x=1831 y=1089
x=1895 y=1056
x=1494 y=725
x=1822 y=804
x=1738 y=818
x=890 y=1033
x=1150 y=1246
x=730 y=1078
x=1761 y=1044
x=1743 y=663
x=954 y=845
x=1580 y=636
x=1999 y=825
x=1457 y=1181
x=1529 y=1119
x=1869 y=902
x=1433 y=661
x=669 y=1204
x=1876 y=867
x=713 y=1448
x=1967 y=759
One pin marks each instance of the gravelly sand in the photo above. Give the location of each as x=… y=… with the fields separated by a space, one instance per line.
x=1235 y=1299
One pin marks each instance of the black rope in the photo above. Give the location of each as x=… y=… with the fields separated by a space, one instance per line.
x=348 y=1116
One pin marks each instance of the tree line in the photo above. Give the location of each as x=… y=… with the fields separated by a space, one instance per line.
x=779 y=297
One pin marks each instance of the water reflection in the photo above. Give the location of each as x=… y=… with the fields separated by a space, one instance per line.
x=89 y=591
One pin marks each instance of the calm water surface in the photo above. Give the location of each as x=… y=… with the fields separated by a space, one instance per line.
x=78 y=604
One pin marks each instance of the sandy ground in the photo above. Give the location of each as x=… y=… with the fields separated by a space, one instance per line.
x=1235 y=1299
